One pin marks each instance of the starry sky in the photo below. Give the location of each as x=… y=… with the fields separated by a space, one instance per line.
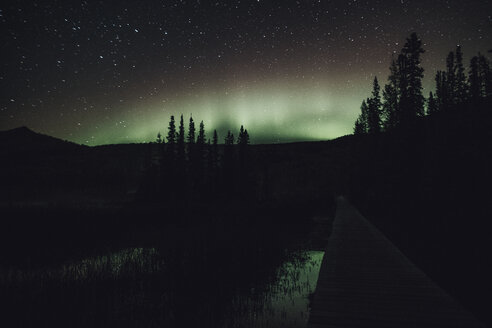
x=98 y=72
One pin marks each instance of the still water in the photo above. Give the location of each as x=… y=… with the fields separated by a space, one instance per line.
x=285 y=303
x=142 y=287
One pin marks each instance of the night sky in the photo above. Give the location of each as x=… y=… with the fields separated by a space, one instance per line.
x=100 y=72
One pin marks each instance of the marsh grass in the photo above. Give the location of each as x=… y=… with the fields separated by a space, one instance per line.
x=192 y=273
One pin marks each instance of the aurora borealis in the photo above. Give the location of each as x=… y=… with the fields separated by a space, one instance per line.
x=101 y=72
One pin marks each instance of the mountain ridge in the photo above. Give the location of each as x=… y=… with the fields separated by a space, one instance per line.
x=23 y=139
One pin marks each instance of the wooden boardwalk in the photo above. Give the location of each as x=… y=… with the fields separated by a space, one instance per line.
x=365 y=281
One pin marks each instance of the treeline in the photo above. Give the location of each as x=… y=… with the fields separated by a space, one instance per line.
x=402 y=101
x=186 y=166
x=422 y=181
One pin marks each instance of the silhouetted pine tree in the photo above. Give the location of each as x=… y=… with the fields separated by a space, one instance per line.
x=196 y=155
x=243 y=139
x=359 y=126
x=191 y=132
x=431 y=104
x=229 y=139
x=480 y=78
x=171 y=137
x=412 y=101
x=160 y=148
x=374 y=109
x=168 y=164
x=450 y=79
x=243 y=142
x=200 y=140
x=179 y=182
x=485 y=77
x=246 y=137
x=215 y=138
x=192 y=156
x=200 y=150
x=214 y=151
x=404 y=104
x=441 y=91
x=244 y=165
x=474 y=80
x=362 y=121
x=461 y=88
x=391 y=98
x=180 y=142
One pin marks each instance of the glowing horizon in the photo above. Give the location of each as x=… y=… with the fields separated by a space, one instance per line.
x=272 y=113
x=290 y=71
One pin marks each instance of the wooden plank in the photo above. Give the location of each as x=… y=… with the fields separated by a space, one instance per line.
x=365 y=281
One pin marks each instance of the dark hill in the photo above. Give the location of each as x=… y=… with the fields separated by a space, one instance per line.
x=23 y=140
x=40 y=169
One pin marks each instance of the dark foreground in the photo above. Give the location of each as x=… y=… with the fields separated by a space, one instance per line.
x=425 y=187
x=139 y=268
x=365 y=281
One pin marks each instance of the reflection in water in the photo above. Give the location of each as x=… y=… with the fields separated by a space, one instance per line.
x=144 y=287
x=285 y=303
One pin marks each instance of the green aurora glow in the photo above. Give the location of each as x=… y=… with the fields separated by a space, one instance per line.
x=272 y=112
x=103 y=72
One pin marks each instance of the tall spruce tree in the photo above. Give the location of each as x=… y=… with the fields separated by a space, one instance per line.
x=200 y=140
x=190 y=140
x=358 y=127
x=200 y=146
x=229 y=139
x=412 y=73
x=362 y=121
x=450 y=79
x=441 y=91
x=246 y=137
x=215 y=138
x=431 y=104
x=403 y=101
x=191 y=132
x=404 y=105
x=485 y=76
x=391 y=98
x=474 y=80
x=197 y=158
x=461 y=86
x=364 y=111
x=169 y=162
x=243 y=163
x=171 y=132
x=374 y=109
x=180 y=144
x=243 y=138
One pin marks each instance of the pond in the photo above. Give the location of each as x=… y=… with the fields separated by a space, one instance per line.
x=200 y=273
x=135 y=287
x=285 y=303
